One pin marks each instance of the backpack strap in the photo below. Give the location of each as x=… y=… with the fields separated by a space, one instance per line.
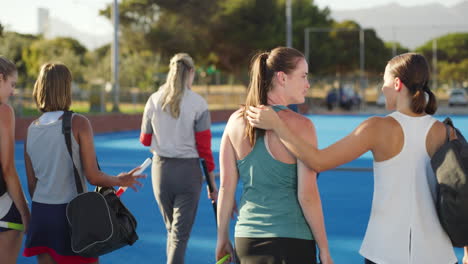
x=448 y=123
x=66 y=130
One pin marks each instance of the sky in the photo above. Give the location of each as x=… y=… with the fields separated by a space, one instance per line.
x=21 y=15
x=359 y=4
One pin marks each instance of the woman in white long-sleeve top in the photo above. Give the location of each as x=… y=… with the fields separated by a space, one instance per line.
x=176 y=126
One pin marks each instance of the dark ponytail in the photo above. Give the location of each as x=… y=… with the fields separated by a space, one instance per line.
x=259 y=86
x=262 y=71
x=413 y=71
x=431 y=106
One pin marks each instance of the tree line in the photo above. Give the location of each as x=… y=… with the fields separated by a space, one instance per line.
x=221 y=36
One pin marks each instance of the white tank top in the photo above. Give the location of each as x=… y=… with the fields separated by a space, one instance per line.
x=403 y=226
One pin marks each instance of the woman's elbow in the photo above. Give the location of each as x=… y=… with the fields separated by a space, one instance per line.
x=8 y=171
x=319 y=169
x=93 y=178
x=315 y=166
x=305 y=199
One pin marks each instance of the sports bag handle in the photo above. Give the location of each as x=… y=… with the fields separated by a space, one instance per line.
x=66 y=130
x=458 y=135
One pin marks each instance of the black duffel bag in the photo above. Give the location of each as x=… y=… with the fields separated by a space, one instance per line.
x=99 y=221
x=450 y=165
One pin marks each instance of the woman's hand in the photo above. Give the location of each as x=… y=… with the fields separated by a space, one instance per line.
x=465 y=257
x=127 y=179
x=263 y=117
x=213 y=196
x=224 y=247
x=325 y=257
x=25 y=218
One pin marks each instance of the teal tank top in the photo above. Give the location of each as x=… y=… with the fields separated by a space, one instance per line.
x=269 y=206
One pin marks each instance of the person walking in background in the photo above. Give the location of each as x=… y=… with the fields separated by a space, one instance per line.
x=403 y=225
x=13 y=205
x=49 y=168
x=176 y=125
x=280 y=213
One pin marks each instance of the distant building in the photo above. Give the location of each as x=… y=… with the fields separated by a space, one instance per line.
x=43 y=21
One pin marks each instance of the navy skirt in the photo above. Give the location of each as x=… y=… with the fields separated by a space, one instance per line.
x=49 y=233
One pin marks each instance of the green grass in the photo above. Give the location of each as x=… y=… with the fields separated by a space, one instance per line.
x=29 y=110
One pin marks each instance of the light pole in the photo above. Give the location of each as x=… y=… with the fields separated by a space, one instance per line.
x=288 y=24
x=115 y=58
x=434 y=64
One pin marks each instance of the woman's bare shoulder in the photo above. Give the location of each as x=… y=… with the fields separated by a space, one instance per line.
x=438 y=131
x=297 y=123
x=6 y=110
x=7 y=114
x=80 y=122
x=236 y=120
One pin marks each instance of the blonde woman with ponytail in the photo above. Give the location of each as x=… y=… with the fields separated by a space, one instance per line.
x=403 y=225
x=280 y=211
x=176 y=126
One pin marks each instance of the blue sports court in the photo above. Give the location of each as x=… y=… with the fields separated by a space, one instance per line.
x=346 y=197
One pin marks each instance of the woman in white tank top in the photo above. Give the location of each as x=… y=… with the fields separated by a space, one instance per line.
x=403 y=226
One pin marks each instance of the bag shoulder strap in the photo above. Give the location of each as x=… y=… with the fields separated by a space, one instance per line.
x=66 y=130
x=448 y=123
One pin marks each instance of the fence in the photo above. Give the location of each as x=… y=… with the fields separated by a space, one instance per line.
x=219 y=97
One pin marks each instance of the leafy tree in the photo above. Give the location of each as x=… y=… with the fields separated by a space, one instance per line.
x=12 y=45
x=65 y=50
x=454 y=73
x=452 y=56
x=138 y=69
x=343 y=49
x=99 y=65
x=399 y=49
x=222 y=33
x=451 y=48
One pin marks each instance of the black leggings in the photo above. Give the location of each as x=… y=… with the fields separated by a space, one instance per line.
x=366 y=261
x=275 y=250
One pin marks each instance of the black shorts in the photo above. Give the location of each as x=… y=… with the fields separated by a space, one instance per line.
x=276 y=250
x=13 y=216
x=366 y=261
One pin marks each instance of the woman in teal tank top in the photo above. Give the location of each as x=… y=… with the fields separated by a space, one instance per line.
x=280 y=212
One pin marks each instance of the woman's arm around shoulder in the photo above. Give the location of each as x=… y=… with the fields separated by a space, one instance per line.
x=83 y=133
x=362 y=139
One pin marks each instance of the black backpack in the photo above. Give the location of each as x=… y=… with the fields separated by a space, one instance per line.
x=99 y=221
x=450 y=165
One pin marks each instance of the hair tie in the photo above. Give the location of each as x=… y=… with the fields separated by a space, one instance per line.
x=264 y=67
x=426 y=87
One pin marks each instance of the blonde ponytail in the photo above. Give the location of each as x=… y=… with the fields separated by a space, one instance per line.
x=179 y=73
